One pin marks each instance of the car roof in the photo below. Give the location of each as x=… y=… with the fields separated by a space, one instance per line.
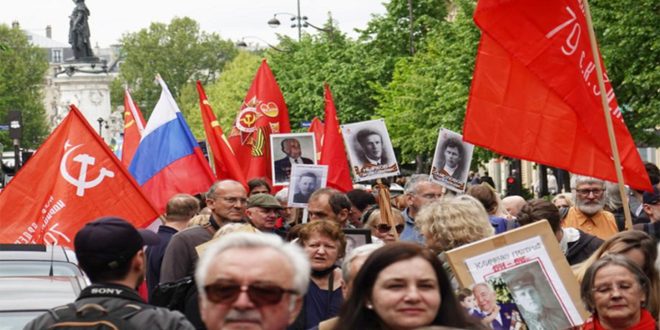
x=37 y=252
x=37 y=292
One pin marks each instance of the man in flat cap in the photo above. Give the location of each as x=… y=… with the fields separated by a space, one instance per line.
x=109 y=250
x=262 y=212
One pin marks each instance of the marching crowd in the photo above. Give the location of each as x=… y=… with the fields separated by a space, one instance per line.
x=238 y=259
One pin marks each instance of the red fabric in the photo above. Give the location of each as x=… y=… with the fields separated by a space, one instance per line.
x=333 y=152
x=534 y=92
x=263 y=112
x=317 y=128
x=646 y=322
x=224 y=160
x=42 y=205
x=133 y=126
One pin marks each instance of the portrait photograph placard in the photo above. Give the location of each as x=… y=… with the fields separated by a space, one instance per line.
x=451 y=160
x=305 y=179
x=356 y=238
x=370 y=150
x=287 y=150
x=525 y=273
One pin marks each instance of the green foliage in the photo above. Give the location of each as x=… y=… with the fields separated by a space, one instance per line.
x=226 y=94
x=430 y=90
x=303 y=67
x=179 y=52
x=629 y=38
x=22 y=71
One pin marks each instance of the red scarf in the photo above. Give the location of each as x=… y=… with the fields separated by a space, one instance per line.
x=646 y=322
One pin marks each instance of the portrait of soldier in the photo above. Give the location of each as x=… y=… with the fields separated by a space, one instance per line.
x=290 y=147
x=534 y=298
x=306 y=185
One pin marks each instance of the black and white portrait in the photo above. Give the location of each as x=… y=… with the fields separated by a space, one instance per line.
x=535 y=298
x=451 y=162
x=305 y=179
x=370 y=150
x=290 y=149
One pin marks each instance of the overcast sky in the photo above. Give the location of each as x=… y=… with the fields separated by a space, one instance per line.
x=232 y=19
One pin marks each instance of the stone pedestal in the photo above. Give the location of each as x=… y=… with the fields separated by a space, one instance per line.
x=86 y=86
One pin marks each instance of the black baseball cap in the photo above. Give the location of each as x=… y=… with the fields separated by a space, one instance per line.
x=653 y=197
x=110 y=242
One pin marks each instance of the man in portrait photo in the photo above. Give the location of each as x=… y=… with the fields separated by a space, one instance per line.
x=306 y=185
x=497 y=316
x=450 y=158
x=538 y=310
x=291 y=147
x=370 y=148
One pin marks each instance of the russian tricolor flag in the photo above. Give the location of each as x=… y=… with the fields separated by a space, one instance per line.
x=168 y=160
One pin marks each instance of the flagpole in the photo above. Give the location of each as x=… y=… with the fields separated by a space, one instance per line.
x=608 y=117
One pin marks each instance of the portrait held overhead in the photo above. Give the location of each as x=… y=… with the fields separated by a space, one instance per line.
x=370 y=150
x=305 y=180
x=288 y=150
x=451 y=163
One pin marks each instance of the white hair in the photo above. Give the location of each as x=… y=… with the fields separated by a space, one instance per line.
x=293 y=253
x=282 y=195
x=363 y=250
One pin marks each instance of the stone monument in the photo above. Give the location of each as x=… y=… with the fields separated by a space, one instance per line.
x=83 y=80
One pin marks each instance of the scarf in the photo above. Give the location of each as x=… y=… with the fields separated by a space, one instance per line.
x=646 y=322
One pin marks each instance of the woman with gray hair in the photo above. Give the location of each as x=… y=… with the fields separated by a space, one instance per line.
x=615 y=290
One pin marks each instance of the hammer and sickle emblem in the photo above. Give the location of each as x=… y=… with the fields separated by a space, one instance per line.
x=85 y=161
x=249 y=119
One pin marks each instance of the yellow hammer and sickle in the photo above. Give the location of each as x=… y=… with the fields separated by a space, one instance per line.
x=249 y=120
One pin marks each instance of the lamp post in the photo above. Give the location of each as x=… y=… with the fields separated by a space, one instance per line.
x=301 y=22
x=100 y=120
x=243 y=44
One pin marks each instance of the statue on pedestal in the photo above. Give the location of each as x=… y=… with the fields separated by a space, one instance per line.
x=79 y=32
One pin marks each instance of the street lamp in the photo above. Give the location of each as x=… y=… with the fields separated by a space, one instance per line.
x=301 y=22
x=243 y=44
x=100 y=120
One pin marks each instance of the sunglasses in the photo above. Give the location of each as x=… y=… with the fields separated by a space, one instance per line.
x=384 y=228
x=261 y=294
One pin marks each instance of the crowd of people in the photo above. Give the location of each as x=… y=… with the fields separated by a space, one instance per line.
x=244 y=259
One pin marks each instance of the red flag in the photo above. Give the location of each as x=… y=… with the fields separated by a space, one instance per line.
x=133 y=127
x=317 y=128
x=333 y=152
x=263 y=112
x=535 y=93
x=72 y=179
x=226 y=165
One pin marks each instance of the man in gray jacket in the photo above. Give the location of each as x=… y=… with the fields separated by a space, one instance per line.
x=109 y=250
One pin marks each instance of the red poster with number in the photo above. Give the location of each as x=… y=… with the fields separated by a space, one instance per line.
x=535 y=94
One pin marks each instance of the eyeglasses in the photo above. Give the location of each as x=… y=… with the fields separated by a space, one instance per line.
x=384 y=228
x=261 y=294
x=431 y=196
x=587 y=192
x=234 y=200
x=609 y=288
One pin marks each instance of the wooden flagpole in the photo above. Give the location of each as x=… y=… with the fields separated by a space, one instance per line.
x=608 y=117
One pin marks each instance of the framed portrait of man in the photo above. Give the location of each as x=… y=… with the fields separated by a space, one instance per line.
x=305 y=179
x=451 y=161
x=520 y=277
x=370 y=150
x=287 y=150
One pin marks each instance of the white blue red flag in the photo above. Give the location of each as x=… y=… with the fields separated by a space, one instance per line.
x=168 y=160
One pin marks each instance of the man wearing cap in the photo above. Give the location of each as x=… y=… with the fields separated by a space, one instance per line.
x=651 y=206
x=262 y=212
x=538 y=311
x=109 y=250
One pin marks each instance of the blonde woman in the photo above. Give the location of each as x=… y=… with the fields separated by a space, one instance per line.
x=449 y=223
x=382 y=230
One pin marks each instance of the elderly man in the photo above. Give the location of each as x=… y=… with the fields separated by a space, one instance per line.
x=588 y=214
x=109 y=250
x=329 y=204
x=419 y=190
x=513 y=204
x=262 y=212
x=497 y=317
x=251 y=281
x=651 y=206
x=291 y=147
x=226 y=199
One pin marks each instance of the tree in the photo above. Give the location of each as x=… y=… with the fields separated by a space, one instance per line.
x=629 y=39
x=430 y=90
x=302 y=68
x=22 y=71
x=179 y=52
x=226 y=94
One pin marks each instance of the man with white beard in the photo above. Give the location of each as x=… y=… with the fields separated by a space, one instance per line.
x=588 y=214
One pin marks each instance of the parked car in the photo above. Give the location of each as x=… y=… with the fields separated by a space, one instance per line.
x=34 y=279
